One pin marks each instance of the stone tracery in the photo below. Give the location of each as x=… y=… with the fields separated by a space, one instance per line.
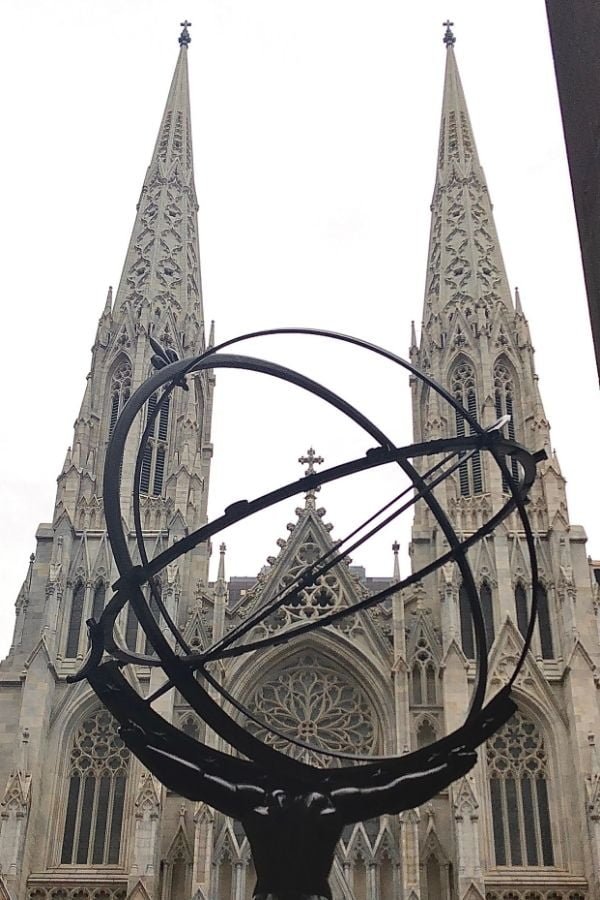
x=311 y=700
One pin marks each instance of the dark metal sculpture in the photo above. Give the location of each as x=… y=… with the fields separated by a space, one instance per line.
x=293 y=813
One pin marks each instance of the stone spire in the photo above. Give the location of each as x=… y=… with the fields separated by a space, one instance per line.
x=160 y=284
x=465 y=270
x=474 y=339
x=159 y=296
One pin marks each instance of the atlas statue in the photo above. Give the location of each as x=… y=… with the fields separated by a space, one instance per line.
x=292 y=812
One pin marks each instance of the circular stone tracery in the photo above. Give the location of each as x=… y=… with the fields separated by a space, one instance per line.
x=517 y=750
x=98 y=747
x=310 y=700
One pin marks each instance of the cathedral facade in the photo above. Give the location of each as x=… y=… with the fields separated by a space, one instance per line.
x=81 y=819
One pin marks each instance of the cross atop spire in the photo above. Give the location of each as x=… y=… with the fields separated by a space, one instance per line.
x=184 y=38
x=310 y=460
x=449 y=38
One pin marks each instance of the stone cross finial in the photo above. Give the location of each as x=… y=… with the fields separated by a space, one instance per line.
x=184 y=37
x=310 y=460
x=449 y=38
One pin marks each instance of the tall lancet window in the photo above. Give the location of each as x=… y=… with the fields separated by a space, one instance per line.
x=98 y=768
x=153 y=463
x=463 y=387
x=504 y=398
x=544 y=622
x=132 y=630
x=75 y=617
x=518 y=778
x=120 y=390
x=467 y=627
x=423 y=675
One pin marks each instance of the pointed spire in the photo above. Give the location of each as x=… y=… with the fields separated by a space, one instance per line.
x=220 y=597
x=108 y=304
x=396 y=551
x=221 y=572
x=465 y=268
x=518 y=307
x=67 y=463
x=457 y=142
x=161 y=275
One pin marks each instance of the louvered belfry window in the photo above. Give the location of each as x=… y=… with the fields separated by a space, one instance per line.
x=463 y=387
x=152 y=474
x=120 y=391
x=520 y=800
x=98 y=768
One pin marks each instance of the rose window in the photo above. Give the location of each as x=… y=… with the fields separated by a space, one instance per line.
x=309 y=700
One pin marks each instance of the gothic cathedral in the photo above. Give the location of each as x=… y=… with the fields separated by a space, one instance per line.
x=80 y=819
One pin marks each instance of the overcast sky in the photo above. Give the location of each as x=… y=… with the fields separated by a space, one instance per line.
x=315 y=128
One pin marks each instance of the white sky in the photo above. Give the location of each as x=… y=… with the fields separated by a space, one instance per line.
x=315 y=130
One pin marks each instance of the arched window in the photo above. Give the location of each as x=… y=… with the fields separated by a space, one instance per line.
x=425 y=734
x=467 y=635
x=433 y=877
x=154 y=609
x=487 y=608
x=544 y=620
x=120 y=390
x=522 y=608
x=518 y=778
x=189 y=725
x=544 y=623
x=75 y=618
x=98 y=767
x=463 y=387
x=423 y=675
x=98 y=601
x=504 y=398
x=153 y=462
x=467 y=630
x=132 y=623
x=131 y=628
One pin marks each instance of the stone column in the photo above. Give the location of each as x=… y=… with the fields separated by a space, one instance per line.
x=203 y=849
x=239 y=879
x=372 y=881
x=466 y=818
x=448 y=606
x=144 y=856
x=14 y=817
x=409 y=853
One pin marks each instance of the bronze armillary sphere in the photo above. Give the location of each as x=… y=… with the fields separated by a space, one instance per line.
x=293 y=812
